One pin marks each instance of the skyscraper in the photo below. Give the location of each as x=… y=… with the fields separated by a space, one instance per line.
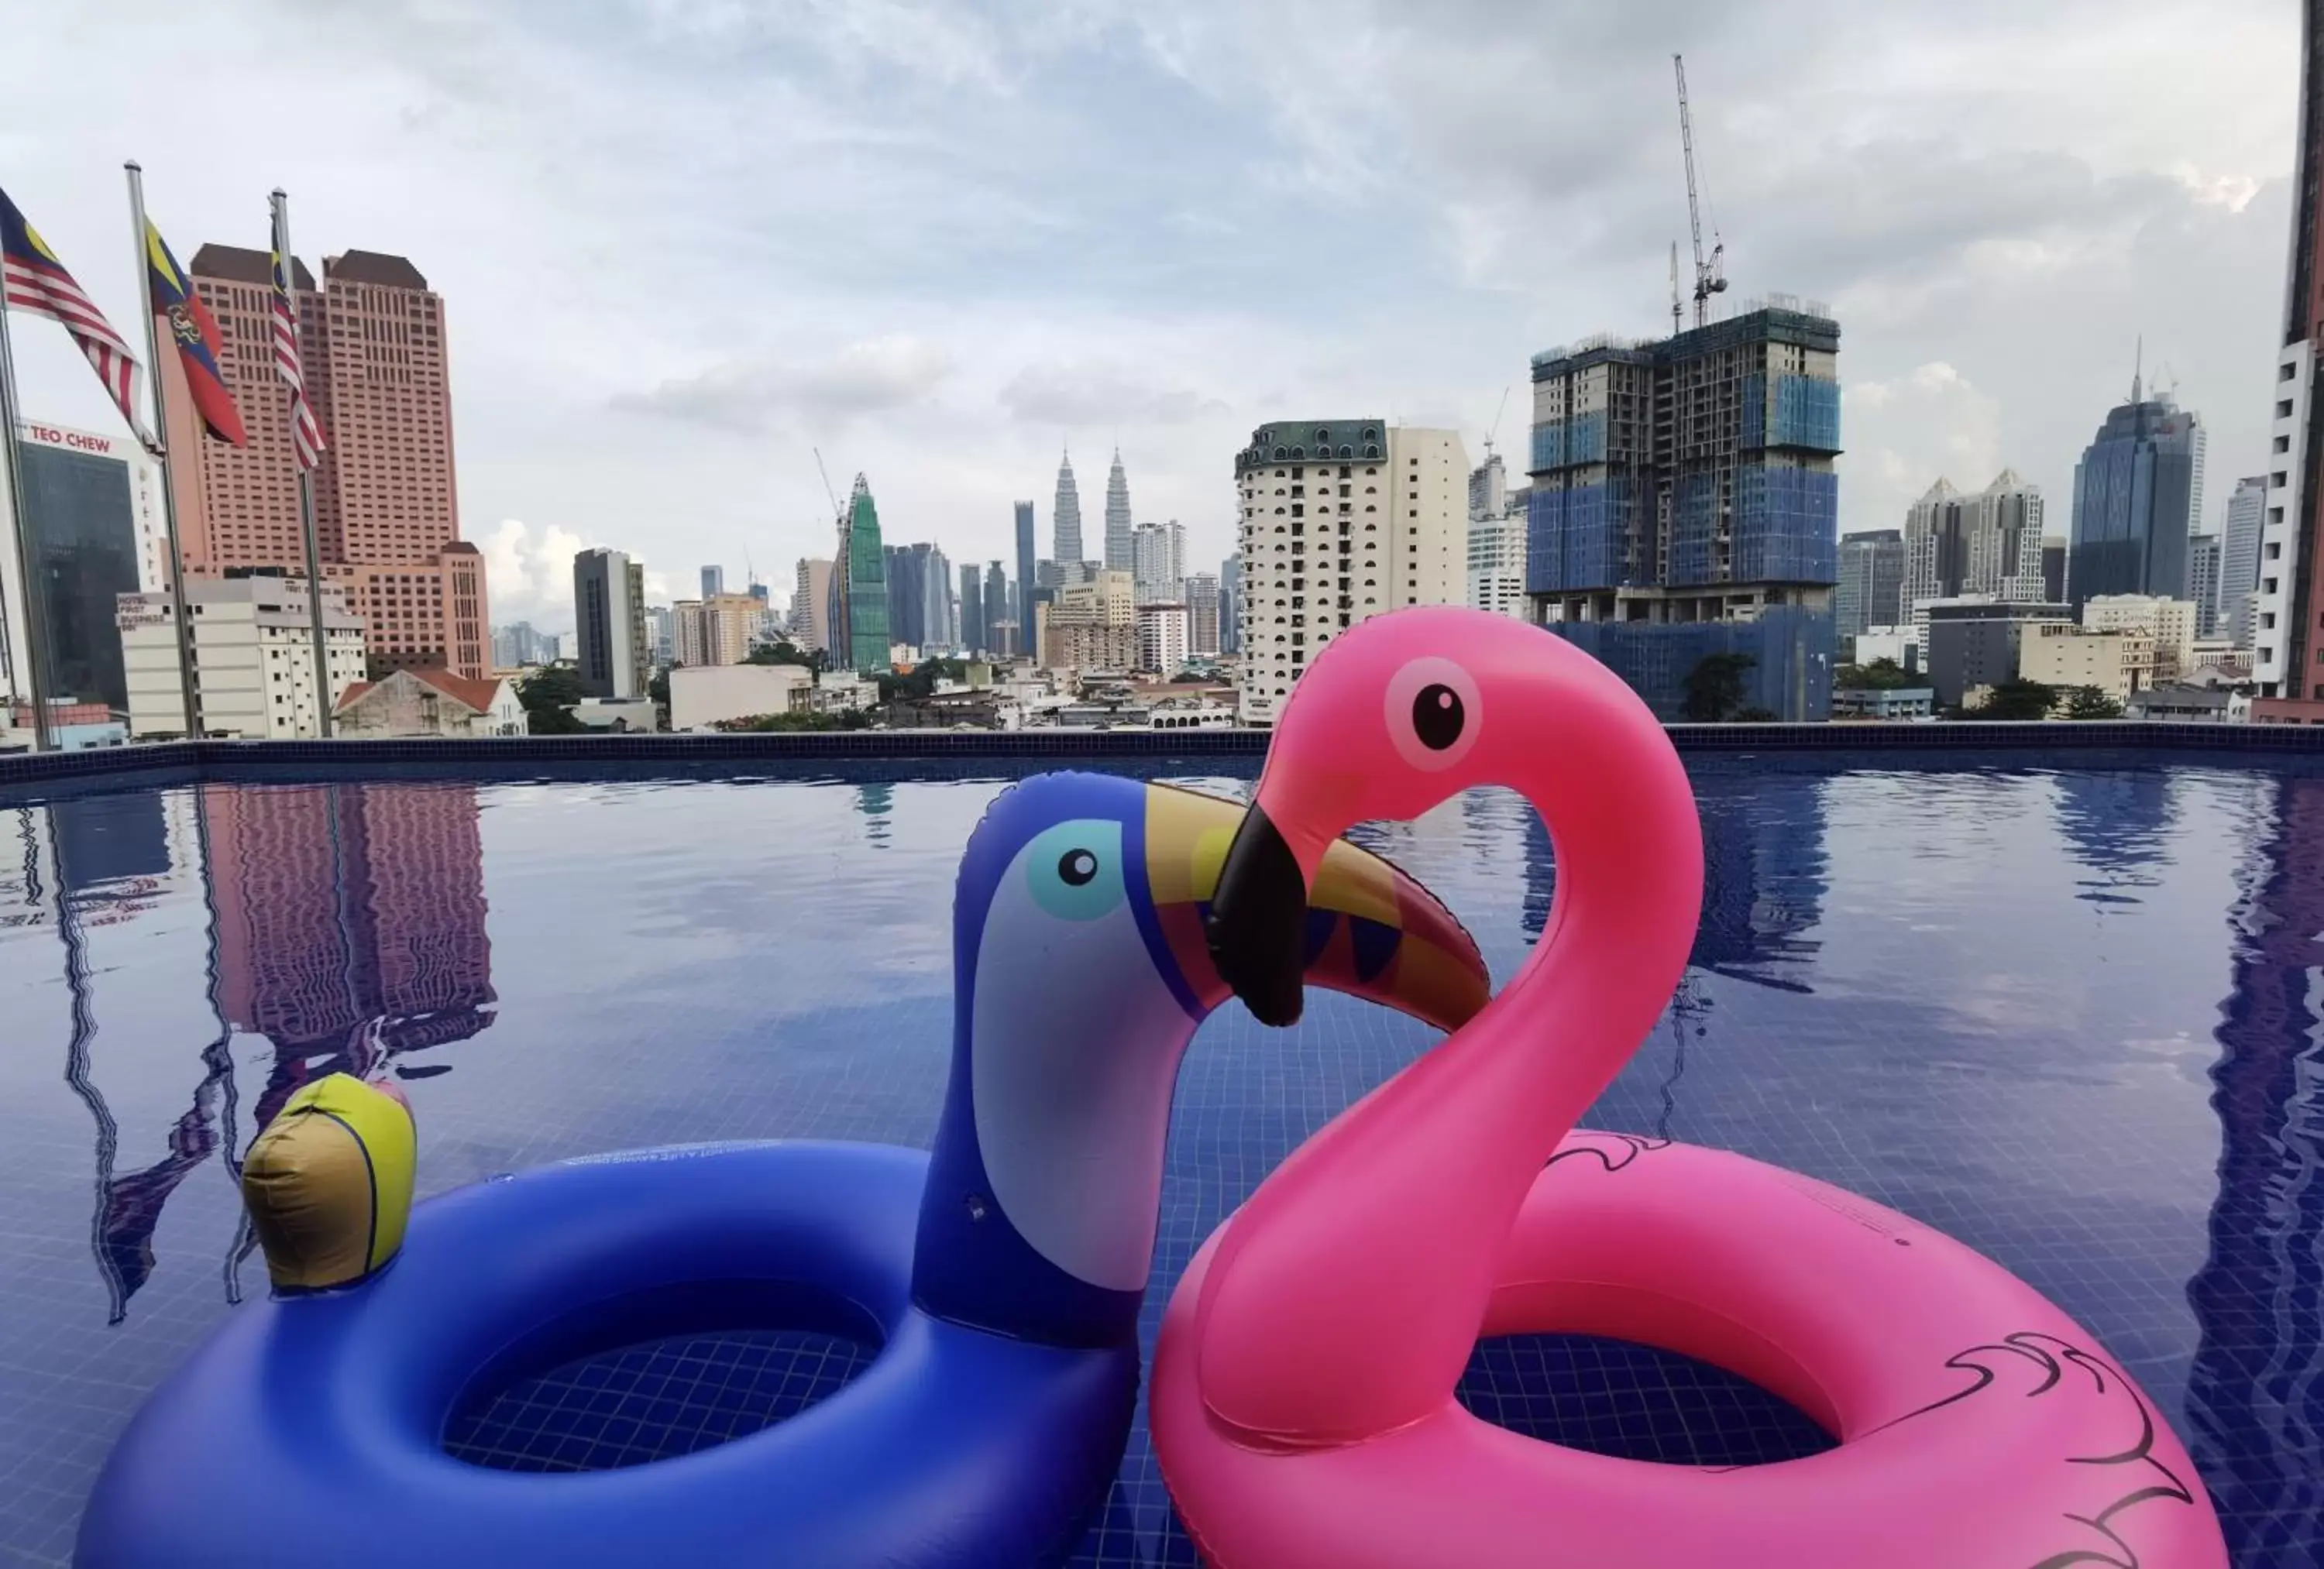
x=373 y=354
x=1869 y=592
x=2203 y=582
x=810 y=597
x=1066 y=515
x=1231 y=605
x=907 y=601
x=1989 y=544
x=1120 y=553
x=999 y=610
x=1158 y=555
x=1202 y=613
x=1684 y=504
x=972 y=608
x=859 y=588
x=2239 y=559
x=713 y=581
x=1026 y=578
x=609 y=616
x=936 y=619
x=2138 y=493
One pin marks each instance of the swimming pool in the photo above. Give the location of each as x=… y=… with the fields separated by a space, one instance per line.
x=2068 y=1014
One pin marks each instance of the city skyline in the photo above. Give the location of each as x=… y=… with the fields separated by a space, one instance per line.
x=1995 y=273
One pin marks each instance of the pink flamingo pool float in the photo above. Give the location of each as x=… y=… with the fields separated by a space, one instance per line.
x=1302 y=1401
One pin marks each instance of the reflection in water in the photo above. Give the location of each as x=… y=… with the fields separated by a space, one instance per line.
x=2255 y=1393
x=346 y=928
x=2118 y=825
x=1764 y=880
x=877 y=802
x=1764 y=876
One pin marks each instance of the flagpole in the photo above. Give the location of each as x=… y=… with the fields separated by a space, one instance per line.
x=181 y=615
x=36 y=642
x=323 y=693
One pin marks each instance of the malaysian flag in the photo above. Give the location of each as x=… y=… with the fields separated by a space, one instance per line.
x=306 y=432
x=36 y=281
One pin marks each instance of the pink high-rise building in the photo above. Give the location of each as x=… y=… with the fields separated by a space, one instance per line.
x=387 y=521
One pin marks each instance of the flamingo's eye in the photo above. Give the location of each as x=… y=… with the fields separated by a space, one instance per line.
x=1433 y=712
x=1436 y=716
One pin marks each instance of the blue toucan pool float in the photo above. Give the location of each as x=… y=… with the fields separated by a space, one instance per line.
x=999 y=1275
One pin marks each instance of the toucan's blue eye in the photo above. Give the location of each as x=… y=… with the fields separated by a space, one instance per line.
x=1075 y=869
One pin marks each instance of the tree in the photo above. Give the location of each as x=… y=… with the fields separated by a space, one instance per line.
x=1880 y=676
x=2018 y=700
x=1755 y=716
x=549 y=695
x=1714 y=687
x=849 y=720
x=658 y=689
x=786 y=653
x=2088 y=702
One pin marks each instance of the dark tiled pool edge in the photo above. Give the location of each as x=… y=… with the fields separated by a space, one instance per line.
x=204 y=758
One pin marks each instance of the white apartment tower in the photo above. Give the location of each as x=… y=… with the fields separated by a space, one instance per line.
x=1342 y=520
x=2239 y=557
x=1497 y=541
x=1159 y=552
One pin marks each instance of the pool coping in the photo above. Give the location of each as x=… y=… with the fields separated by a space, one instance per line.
x=210 y=758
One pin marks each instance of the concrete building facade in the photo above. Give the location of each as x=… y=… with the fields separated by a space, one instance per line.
x=1973 y=642
x=1343 y=519
x=1162 y=638
x=2169 y=626
x=254 y=657
x=2116 y=662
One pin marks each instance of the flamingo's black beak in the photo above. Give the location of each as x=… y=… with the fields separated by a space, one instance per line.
x=1258 y=921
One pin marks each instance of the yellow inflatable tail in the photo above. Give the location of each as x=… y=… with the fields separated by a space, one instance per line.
x=329 y=1184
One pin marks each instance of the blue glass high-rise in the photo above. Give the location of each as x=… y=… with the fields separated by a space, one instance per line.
x=2138 y=490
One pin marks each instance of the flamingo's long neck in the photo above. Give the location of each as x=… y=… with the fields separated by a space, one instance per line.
x=1377 y=1240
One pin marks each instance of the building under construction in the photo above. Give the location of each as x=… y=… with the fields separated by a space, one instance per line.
x=1684 y=503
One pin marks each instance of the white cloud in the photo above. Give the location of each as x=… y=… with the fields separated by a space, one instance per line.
x=1095 y=392
x=684 y=243
x=528 y=573
x=756 y=396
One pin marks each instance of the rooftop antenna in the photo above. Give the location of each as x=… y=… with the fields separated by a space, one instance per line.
x=2138 y=371
x=1710 y=275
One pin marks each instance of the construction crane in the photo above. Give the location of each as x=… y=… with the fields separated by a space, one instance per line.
x=1492 y=435
x=1676 y=320
x=1711 y=276
x=835 y=508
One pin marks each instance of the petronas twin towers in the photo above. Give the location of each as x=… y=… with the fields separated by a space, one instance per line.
x=1120 y=547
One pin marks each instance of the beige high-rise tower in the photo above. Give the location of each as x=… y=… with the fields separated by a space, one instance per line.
x=1343 y=520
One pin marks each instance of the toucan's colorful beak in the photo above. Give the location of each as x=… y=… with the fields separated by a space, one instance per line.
x=1364 y=928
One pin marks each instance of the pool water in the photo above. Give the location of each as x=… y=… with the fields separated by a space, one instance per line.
x=2070 y=1015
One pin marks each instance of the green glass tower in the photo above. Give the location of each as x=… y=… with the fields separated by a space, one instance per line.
x=867 y=584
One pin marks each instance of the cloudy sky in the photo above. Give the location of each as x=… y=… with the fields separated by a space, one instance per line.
x=684 y=243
